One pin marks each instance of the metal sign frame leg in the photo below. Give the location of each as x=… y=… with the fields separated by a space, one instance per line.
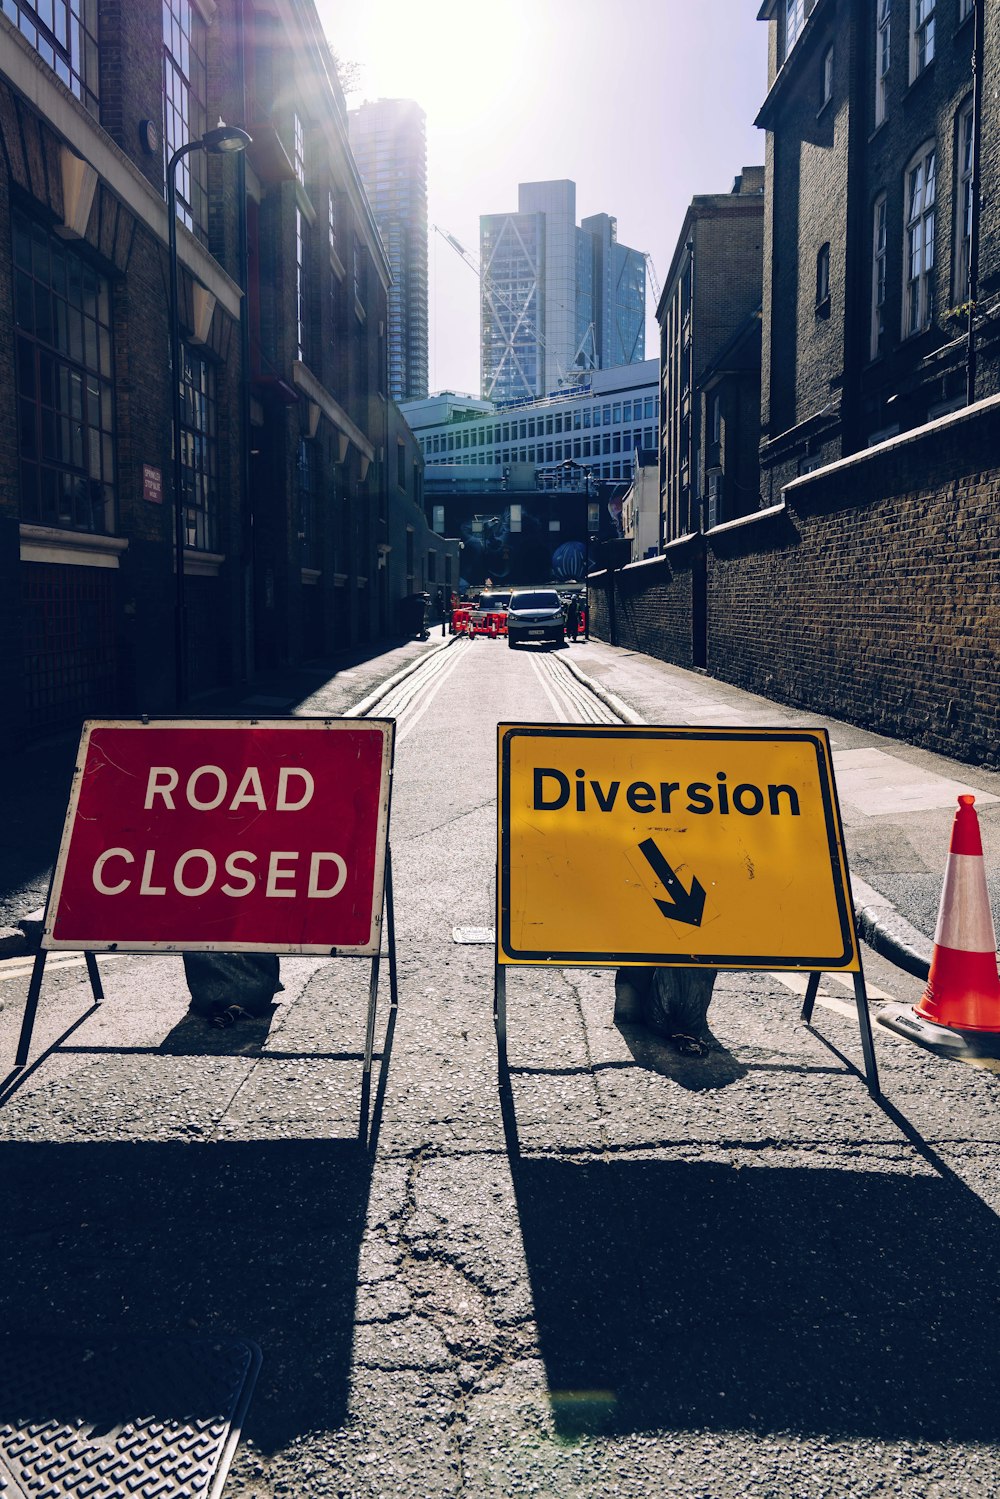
x=500 y=1016
x=30 y=1010
x=390 y=927
x=390 y=921
x=31 y=1003
x=864 y=1023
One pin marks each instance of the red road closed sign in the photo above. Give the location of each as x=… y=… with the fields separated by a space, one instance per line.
x=204 y=836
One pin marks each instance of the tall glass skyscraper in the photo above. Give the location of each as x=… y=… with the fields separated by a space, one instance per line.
x=389 y=141
x=557 y=299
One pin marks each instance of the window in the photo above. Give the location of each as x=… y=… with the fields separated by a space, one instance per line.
x=919 y=245
x=300 y=286
x=826 y=77
x=64 y=34
x=299 y=157
x=963 y=203
x=358 y=272
x=823 y=280
x=964 y=9
x=716 y=417
x=879 y=242
x=199 y=458
x=881 y=59
x=331 y=218
x=66 y=436
x=400 y=465
x=795 y=18
x=184 y=108
x=921 y=36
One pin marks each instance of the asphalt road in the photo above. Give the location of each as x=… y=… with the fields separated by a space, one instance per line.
x=635 y=1274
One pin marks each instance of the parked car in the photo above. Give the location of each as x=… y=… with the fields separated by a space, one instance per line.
x=535 y=614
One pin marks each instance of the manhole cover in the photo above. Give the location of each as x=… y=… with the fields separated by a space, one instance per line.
x=144 y=1420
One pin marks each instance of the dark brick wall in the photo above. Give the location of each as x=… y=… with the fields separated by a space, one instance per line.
x=870 y=597
x=648 y=607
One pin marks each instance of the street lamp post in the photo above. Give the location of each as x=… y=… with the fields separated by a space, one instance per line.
x=223 y=140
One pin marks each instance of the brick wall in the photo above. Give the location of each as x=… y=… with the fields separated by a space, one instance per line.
x=648 y=606
x=870 y=595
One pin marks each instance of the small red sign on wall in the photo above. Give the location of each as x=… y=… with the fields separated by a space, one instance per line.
x=201 y=836
x=152 y=484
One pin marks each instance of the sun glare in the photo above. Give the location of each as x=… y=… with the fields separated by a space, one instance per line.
x=460 y=62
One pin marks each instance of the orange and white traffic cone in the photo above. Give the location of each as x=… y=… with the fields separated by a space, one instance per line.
x=963 y=988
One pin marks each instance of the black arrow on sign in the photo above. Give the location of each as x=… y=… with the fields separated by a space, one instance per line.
x=686 y=905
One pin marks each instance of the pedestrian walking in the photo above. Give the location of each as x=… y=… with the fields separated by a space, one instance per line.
x=573 y=617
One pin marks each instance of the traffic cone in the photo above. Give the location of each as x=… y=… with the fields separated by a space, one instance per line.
x=963 y=988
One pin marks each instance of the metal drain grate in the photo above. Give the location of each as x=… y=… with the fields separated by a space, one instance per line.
x=143 y=1420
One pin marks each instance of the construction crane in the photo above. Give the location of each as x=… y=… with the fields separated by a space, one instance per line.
x=654 y=280
x=499 y=295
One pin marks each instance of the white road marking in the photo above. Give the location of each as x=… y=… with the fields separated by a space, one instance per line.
x=17 y=968
x=425 y=698
x=557 y=710
x=797 y=983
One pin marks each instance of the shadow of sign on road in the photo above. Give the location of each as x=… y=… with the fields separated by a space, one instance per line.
x=136 y=1240
x=696 y=1296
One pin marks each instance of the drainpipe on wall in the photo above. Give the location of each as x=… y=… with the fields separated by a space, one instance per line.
x=694 y=502
x=978 y=8
x=243 y=254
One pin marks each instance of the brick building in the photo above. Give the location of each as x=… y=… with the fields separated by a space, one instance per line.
x=709 y=378
x=285 y=415
x=873 y=224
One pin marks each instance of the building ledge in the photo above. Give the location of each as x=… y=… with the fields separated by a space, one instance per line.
x=631 y=567
x=768 y=512
x=75 y=548
x=202 y=564
x=306 y=381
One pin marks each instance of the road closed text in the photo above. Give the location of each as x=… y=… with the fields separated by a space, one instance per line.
x=316 y=876
x=283 y=874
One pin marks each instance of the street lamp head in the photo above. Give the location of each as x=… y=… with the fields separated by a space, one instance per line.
x=225 y=139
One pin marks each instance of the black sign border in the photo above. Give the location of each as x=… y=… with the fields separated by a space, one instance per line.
x=818 y=738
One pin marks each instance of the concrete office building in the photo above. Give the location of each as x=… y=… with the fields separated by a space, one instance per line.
x=597 y=425
x=389 y=141
x=557 y=299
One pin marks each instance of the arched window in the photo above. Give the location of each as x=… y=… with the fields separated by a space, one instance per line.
x=919 y=197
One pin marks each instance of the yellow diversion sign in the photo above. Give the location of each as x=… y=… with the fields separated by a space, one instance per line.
x=675 y=846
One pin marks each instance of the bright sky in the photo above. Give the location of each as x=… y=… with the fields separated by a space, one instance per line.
x=642 y=104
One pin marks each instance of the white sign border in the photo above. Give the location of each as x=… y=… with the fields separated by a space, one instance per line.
x=387 y=728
